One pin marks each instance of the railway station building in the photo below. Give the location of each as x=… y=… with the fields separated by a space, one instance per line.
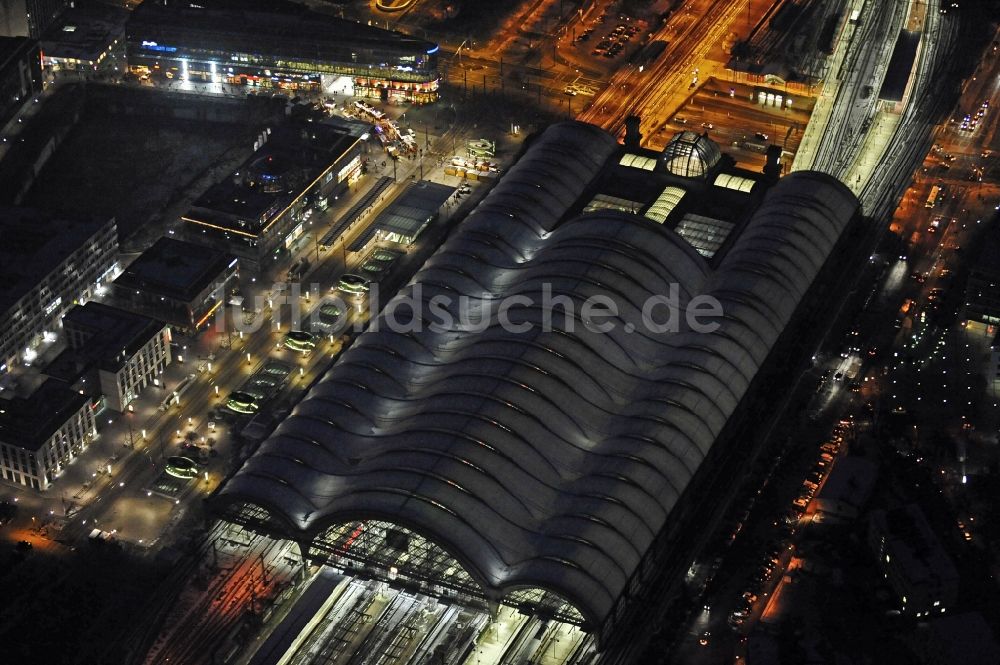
x=538 y=461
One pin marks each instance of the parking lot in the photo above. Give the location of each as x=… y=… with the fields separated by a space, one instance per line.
x=611 y=36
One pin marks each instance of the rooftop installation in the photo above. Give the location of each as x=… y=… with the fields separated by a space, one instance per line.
x=175 y=269
x=545 y=462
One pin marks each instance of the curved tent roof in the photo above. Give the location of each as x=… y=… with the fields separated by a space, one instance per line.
x=545 y=458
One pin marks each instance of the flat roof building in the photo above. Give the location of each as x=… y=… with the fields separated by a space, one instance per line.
x=20 y=74
x=48 y=262
x=913 y=561
x=41 y=433
x=117 y=353
x=847 y=488
x=982 y=290
x=406 y=216
x=488 y=440
x=900 y=70
x=180 y=282
x=262 y=210
x=285 y=48
x=959 y=639
x=86 y=38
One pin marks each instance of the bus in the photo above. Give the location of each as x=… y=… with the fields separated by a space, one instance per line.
x=174 y=397
x=939 y=224
x=300 y=268
x=937 y=193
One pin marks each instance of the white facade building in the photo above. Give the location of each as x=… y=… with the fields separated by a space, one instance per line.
x=48 y=263
x=122 y=352
x=40 y=434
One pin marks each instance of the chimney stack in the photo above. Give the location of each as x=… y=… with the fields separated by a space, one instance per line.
x=632 y=135
x=772 y=162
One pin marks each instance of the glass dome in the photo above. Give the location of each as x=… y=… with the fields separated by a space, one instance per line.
x=690 y=155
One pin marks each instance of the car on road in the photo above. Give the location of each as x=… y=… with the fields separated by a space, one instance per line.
x=761 y=135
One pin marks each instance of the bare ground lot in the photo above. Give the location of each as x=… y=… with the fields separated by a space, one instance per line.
x=134 y=167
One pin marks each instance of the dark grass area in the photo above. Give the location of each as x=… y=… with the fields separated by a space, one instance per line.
x=475 y=18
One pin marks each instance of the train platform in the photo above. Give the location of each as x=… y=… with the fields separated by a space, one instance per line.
x=286 y=637
x=827 y=100
x=872 y=152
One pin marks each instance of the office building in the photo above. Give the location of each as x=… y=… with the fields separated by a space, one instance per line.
x=913 y=561
x=264 y=210
x=48 y=263
x=179 y=282
x=113 y=354
x=42 y=432
x=28 y=18
x=20 y=74
x=288 y=48
x=481 y=441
